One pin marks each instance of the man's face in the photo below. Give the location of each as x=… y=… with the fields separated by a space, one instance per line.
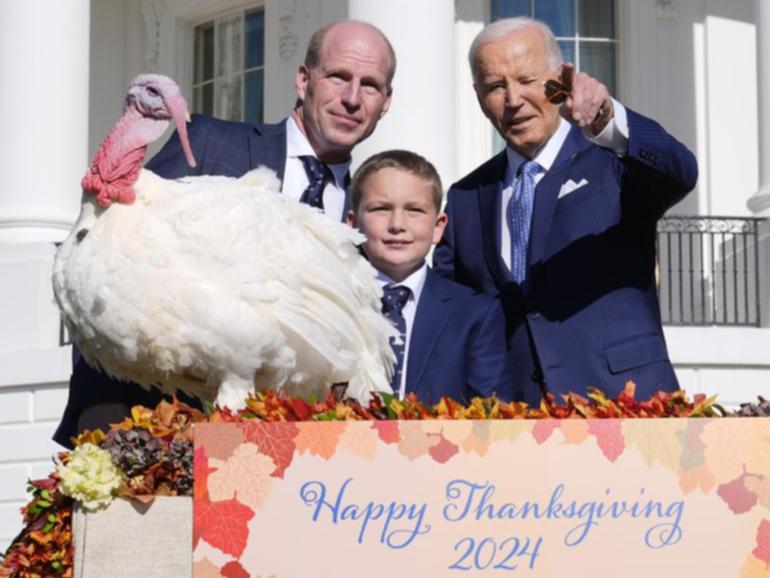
x=400 y=221
x=345 y=96
x=509 y=86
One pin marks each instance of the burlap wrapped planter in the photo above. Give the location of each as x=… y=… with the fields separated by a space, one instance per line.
x=130 y=539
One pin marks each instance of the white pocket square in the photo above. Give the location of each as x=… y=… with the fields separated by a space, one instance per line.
x=570 y=187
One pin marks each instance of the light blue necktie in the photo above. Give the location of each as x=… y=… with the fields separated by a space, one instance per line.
x=520 y=218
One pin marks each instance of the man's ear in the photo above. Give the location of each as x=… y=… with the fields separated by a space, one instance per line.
x=301 y=80
x=386 y=104
x=438 y=229
x=480 y=100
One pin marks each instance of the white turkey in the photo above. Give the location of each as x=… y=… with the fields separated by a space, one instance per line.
x=212 y=284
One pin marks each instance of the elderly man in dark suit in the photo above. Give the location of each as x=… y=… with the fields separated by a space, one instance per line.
x=561 y=225
x=343 y=89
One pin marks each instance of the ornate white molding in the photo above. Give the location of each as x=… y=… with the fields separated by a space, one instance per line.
x=288 y=38
x=150 y=11
x=664 y=10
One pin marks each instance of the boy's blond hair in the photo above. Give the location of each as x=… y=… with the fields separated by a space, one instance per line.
x=396 y=159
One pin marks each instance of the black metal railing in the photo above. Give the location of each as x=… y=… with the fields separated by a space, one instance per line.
x=708 y=270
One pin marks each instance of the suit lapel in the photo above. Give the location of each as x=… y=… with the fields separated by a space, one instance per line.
x=489 y=209
x=267 y=146
x=433 y=312
x=547 y=193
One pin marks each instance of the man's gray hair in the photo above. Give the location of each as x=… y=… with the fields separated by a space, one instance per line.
x=502 y=28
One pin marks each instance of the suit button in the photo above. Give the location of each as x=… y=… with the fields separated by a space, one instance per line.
x=537 y=376
x=533 y=315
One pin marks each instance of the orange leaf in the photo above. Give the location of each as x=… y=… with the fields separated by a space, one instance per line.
x=273 y=439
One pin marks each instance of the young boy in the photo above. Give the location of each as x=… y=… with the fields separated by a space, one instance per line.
x=454 y=338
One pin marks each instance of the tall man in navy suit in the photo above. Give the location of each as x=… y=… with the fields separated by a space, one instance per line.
x=453 y=338
x=561 y=225
x=343 y=90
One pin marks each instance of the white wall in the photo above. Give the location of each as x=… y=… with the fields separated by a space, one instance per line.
x=28 y=418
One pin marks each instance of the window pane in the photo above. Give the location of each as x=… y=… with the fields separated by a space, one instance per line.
x=203 y=99
x=558 y=14
x=597 y=18
x=567 y=50
x=229 y=47
x=204 y=53
x=598 y=60
x=228 y=98
x=509 y=8
x=255 y=38
x=253 y=98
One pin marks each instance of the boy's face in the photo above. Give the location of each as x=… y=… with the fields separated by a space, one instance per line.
x=397 y=215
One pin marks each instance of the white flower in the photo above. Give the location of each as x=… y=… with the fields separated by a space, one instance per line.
x=90 y=477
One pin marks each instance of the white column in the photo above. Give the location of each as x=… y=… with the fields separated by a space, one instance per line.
x=422 y=114
x=44 y=63
x=759 y=203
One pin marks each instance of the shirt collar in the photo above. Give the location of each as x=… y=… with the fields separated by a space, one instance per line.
x=415 y=282
x=544 y=158
x=297 y=146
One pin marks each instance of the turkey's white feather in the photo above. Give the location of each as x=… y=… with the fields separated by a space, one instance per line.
x=213 y=284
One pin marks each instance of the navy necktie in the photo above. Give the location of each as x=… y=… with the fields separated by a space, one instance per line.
x=318 y=175
x=393 y=301
x=519 y=215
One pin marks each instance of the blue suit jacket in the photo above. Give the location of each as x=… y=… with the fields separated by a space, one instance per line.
x=220 y=148
x=457 y=345
x=588 y=314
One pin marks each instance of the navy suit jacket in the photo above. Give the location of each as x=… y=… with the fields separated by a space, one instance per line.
x=457 y=346
x=588 y=314
x=220 y=148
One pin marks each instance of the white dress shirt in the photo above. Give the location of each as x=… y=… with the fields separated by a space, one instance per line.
x=613 y=137
x=295 y=179
x=415 y=282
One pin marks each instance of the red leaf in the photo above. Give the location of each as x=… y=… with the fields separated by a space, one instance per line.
x=223 y=524
x=275 y=440
x=201 y=471
x=609 y=436
x=736 y=496
x=388 y=431
x=543 y=429
x=443 y=451
x=762 y=551
x=301 y=409
x=234 y=570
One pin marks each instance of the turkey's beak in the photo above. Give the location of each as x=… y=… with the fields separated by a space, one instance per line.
x=179 y=112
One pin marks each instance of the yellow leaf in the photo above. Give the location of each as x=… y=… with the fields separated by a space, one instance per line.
x=655 y=440
x=755 y=568
x=735 y=446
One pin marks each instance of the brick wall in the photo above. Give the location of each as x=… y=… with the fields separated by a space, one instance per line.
x=28 y=418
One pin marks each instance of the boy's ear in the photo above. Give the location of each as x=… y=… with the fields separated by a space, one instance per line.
x=351 y=218
x=438 y=228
